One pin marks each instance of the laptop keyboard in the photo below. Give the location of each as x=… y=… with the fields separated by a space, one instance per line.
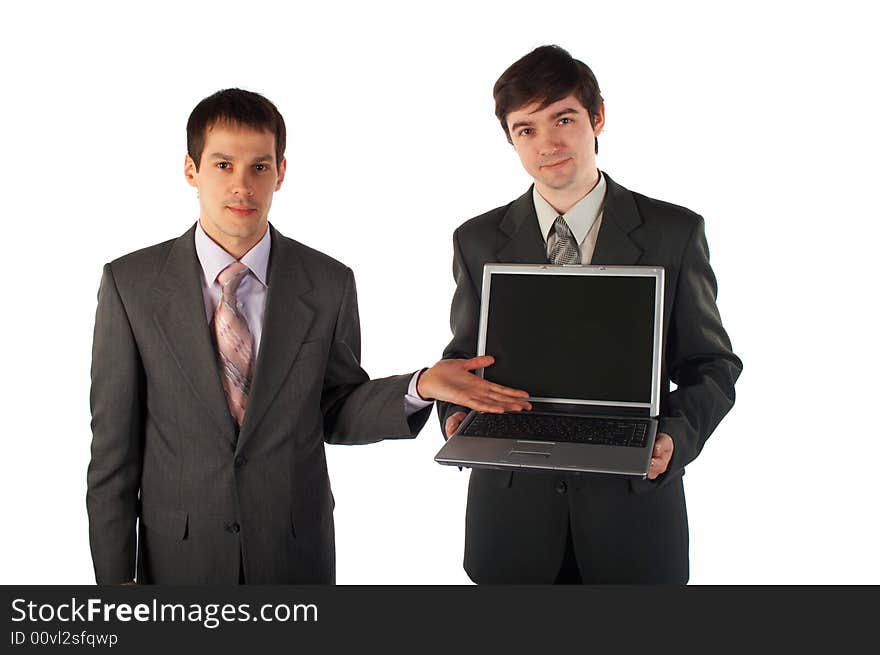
x=560 y=428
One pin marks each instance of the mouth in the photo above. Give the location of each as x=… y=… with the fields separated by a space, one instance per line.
x=556 y=164
x=241 y=211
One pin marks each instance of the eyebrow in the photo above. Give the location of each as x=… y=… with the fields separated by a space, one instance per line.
x=558 y=114
x=220 y=155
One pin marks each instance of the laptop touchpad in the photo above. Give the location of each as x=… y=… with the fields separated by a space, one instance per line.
x=529 y=448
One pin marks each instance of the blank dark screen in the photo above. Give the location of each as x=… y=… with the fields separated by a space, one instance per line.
x=572 y=336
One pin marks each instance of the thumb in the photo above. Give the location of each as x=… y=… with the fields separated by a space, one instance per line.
x=478 y=362
x=453 y=422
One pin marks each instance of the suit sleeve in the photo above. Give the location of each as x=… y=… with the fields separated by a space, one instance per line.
x=464 y=319
x=699 y=358
x=356 y=409
x=117 y=405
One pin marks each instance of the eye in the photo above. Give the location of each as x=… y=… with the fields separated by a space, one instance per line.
x=261 y=167
x=526 y=131
x=565 y=120
x=223 y=165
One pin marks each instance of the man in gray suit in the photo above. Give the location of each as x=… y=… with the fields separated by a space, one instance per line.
x=568 y=528
x=222 y=361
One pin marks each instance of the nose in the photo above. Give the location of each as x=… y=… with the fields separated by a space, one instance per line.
x=241 y=184
x=550 y=144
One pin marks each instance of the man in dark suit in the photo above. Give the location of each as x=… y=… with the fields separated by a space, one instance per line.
x=222 y=361
x=532 y=527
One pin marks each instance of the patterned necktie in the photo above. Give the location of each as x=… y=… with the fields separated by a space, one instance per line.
x=565 y=250
x=234 y=342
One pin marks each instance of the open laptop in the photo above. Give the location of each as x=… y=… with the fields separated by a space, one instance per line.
x=585 y=342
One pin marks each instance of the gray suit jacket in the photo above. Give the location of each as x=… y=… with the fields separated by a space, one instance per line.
x=166 y=449
x=530 y=517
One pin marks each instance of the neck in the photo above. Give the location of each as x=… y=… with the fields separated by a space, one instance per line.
x=236 y=246
x=564 y=199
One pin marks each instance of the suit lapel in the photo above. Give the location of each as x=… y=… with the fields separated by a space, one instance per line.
x=181 y=320
x=286 y=322
x=614 y=247
x=520 y=240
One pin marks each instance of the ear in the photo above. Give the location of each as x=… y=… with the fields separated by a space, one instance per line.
x=599 y=120
x=190 y=171
x=282 y=169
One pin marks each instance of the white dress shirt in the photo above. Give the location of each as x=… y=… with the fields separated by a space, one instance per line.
x=583 y=219
x=251 y=294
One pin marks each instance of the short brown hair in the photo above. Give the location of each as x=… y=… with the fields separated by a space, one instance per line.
x=547 y=74
x=235 y=107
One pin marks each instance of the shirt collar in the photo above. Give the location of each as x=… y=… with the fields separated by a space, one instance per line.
x=214 y=259
x=580 y=218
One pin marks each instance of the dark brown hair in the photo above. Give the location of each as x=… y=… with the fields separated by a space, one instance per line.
x=546 y=75
x=235 y=107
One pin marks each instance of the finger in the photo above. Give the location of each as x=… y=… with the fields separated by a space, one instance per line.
x=497 y=404
x=507 y=401
x=478 y=362
x=456 y=417
x=486 y=406
x=658 y=466
x=512 y=407
x=662 y=447
x=489 y=393
x=483 y=405
x=507 y=391
x=486 y=394
x=452 y=424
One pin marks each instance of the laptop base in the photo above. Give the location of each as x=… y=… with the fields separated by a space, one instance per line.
x=547 y=454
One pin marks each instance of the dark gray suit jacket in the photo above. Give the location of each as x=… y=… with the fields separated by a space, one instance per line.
x=531 y=517
x=165 y=447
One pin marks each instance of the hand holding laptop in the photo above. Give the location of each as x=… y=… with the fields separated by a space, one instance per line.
x=660 y=456
x=452 y=381
x=453 y=422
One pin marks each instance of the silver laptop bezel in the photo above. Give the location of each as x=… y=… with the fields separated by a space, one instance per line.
x=657 y=272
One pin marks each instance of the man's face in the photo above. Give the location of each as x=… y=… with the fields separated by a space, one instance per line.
x=556 y=144
x=236 y=179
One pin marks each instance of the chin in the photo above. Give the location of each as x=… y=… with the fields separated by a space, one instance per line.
x=558 y=185
x=245 y=223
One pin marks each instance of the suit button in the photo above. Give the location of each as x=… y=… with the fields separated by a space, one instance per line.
x=233 y=528
x=561 y=487
x=240 y=461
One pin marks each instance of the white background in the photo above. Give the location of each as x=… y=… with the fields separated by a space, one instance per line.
x=760 y=116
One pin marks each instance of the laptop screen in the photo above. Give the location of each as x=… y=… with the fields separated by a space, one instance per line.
x=574 y=337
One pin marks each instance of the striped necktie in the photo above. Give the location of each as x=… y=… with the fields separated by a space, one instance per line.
x=565 y=250
x=234 y=342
